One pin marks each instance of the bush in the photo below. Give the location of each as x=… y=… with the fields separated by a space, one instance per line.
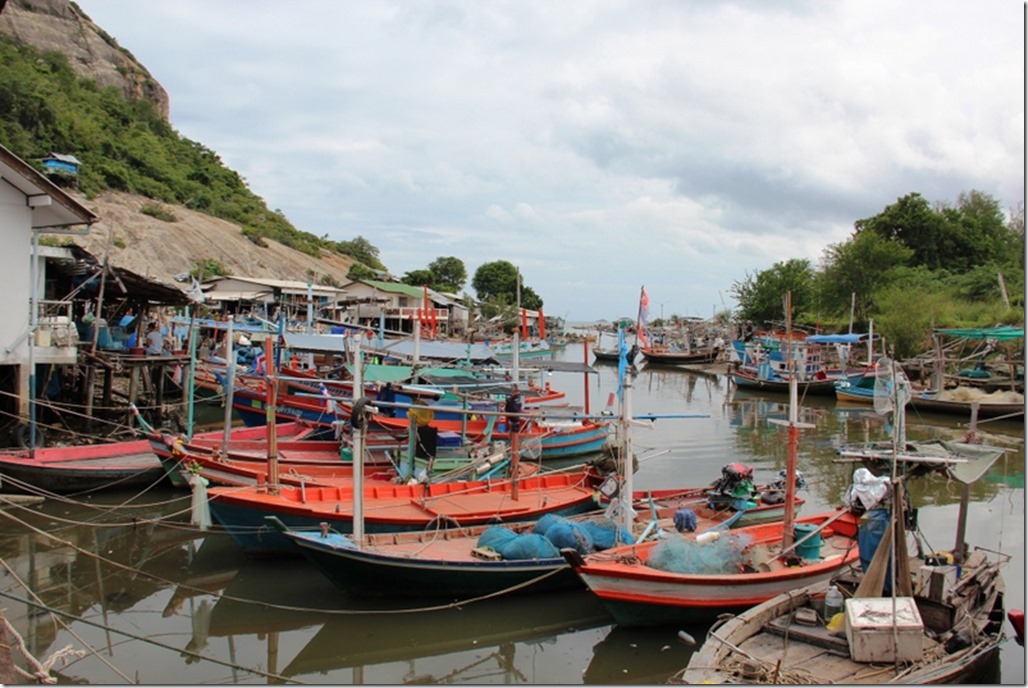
x=158 y=211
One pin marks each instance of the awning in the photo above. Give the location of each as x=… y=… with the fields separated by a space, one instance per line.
x=1004 y=333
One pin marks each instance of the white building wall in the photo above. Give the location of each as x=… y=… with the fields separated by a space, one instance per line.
x=16 y=242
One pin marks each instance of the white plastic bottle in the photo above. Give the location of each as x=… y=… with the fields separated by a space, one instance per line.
x=833 y=602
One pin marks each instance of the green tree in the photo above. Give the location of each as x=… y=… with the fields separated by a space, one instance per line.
x=913 y=223
x=449 y=274
x=853 y=271
x=360 y=271
x=761 y=296
x=419 y=278
x=500 y=279
x=362 y=250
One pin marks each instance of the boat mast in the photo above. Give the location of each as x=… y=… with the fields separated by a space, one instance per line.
x=230 y=382
x=626 y=492
x=790 y=467
x=358 y=421
x=270 y=406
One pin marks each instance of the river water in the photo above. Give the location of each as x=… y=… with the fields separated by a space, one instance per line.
x=144 y=598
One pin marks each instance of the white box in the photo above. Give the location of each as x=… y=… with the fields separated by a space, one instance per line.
x=869 y=629
x=936 y=583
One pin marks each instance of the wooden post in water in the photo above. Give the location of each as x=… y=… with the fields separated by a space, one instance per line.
x=965 y=499
x=585 y=359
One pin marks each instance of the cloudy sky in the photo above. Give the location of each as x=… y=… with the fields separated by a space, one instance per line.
x=599 y=145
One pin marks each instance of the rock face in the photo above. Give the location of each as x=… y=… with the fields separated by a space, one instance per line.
x=58 y=25
x=159 y=249
x=131 y=239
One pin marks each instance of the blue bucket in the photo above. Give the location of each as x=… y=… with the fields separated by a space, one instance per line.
x=811 y=548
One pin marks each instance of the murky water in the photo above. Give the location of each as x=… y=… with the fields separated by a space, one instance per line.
x=144 y=598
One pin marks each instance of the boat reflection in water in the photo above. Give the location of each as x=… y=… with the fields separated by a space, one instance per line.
x=355 y=640
x=487 y=638
x=643 y=655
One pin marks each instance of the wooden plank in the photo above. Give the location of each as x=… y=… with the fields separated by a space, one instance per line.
x=815 y=635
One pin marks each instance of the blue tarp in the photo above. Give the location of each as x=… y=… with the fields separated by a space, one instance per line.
x=836 y=338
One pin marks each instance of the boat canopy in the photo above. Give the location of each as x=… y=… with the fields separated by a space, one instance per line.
x=1003 y=333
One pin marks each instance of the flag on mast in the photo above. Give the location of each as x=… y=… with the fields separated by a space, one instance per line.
x=644 y=314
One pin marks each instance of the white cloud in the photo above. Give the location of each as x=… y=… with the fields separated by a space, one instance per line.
x=599 y=145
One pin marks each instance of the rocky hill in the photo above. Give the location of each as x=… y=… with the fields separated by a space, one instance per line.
x=134 y=240
x=159 y=249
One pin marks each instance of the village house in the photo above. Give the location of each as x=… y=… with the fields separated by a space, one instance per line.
x=401 y=306
x=265 y=297
x=34 y=331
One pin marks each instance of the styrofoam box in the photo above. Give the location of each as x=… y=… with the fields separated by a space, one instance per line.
x=869 y=629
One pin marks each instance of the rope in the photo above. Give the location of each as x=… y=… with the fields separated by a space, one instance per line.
x=150 y=641
x=267 y=605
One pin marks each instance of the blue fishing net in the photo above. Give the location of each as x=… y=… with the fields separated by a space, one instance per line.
x=570 y=535
x=511 y=545
x=606 y=533
x=685 y=555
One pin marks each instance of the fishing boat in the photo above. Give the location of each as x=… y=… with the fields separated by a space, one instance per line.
x=639 y=584
x=517 y=557
x=821 y=363
x=856 y=389
x=967 y=402
x=387 y=508
x=80 y=469
x=387 y=457
x=942 y=621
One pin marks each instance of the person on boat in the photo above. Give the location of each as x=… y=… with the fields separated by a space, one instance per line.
x=388 y=395
x=154 y=340
x=514 y=405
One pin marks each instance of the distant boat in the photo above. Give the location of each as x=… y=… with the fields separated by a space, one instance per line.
x=859 y=389
x=85 y=468
x=674 y=356
x=763 y=364
x=961 y=402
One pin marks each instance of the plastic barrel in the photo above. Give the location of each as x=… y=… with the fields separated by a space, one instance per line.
x=811 y=548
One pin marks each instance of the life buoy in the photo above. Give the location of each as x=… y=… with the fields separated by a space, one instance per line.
x=22 y=434
x=358 y=417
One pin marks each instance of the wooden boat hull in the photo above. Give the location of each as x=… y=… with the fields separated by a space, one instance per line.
x=929 y=404
x=442 y=562
x=638 y=595
x=86 y=468
x=389 y=508
x=680 y=357
x=745 y=379
x=817 y=657
x=455 y=574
